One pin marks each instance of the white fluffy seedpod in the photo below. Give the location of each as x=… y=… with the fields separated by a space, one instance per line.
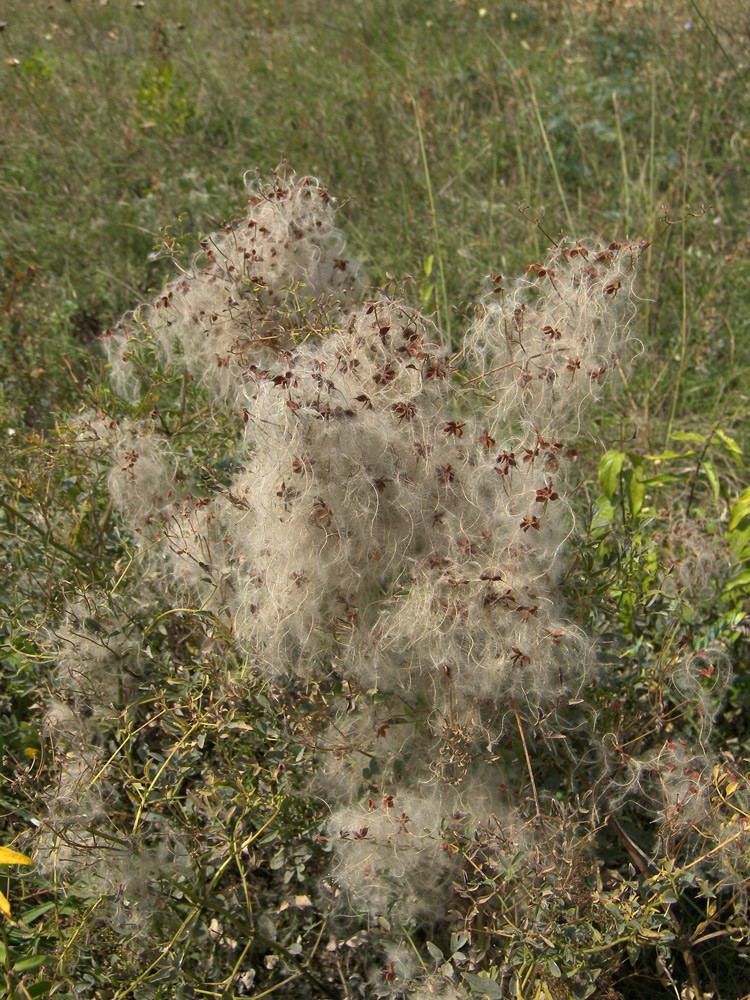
x=547 y=343
x=337 y=490
x=127 y=879
x=384 y=525
x=398 y=851
x=676 y=782
x=391 y=855
x=142 y=476
x=729 y=863
x=96 y=666
x=702 y=678
x=95 y=435
x=699 y=558
x=670 y=782
x=262 y=281
x=74 y=799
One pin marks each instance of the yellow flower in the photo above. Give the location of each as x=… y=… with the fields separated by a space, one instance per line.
x=9 y=857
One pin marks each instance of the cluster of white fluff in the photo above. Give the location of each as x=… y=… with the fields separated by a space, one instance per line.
x=181 y=536
x=696 y=800
x=396 y=852
x=548 y=343
x=385 y=526
x=682 y=784
x=277 y=275
x=97 y=665
x=392 y=515
x=410 y=787
x=698 y=557
x=259 y=283
x=377 y=519
x=99 y=662
x=677 y=783
x=437 y=988
x=701 y=679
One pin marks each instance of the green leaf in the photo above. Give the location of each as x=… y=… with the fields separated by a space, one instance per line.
x=427 y=292
x=40 y=989
x=483 y=987
x=665 y=478
x=278 y=860
x=740 y=509
x=688 y=436
x=458 y=941
x=605 y=512
x=29 y=964
x=741 y=580
x=711 y=475
x=615 y=913
x=731 y=446
x=664 y=456
x=636 y=493
x=435 y=951
x=610 y=467
x=554 y=968
x=37 y=911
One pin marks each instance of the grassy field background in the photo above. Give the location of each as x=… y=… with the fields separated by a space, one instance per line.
x=432 y=123
x=459 y=138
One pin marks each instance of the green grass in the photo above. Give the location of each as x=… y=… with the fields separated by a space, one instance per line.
x=432 y=123
x=459 y=138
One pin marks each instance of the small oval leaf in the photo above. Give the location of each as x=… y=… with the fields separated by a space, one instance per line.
x=610 y=467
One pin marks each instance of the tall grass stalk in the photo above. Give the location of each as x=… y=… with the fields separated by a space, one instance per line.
x=623 y=165
x=550 y=154
x=684 y=318
x=443 y=308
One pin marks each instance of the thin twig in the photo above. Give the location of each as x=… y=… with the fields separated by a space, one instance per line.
x=531 y=778
x=81 y=556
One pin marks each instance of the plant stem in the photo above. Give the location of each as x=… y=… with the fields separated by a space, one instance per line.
x=550 y=156
x=444 y=320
